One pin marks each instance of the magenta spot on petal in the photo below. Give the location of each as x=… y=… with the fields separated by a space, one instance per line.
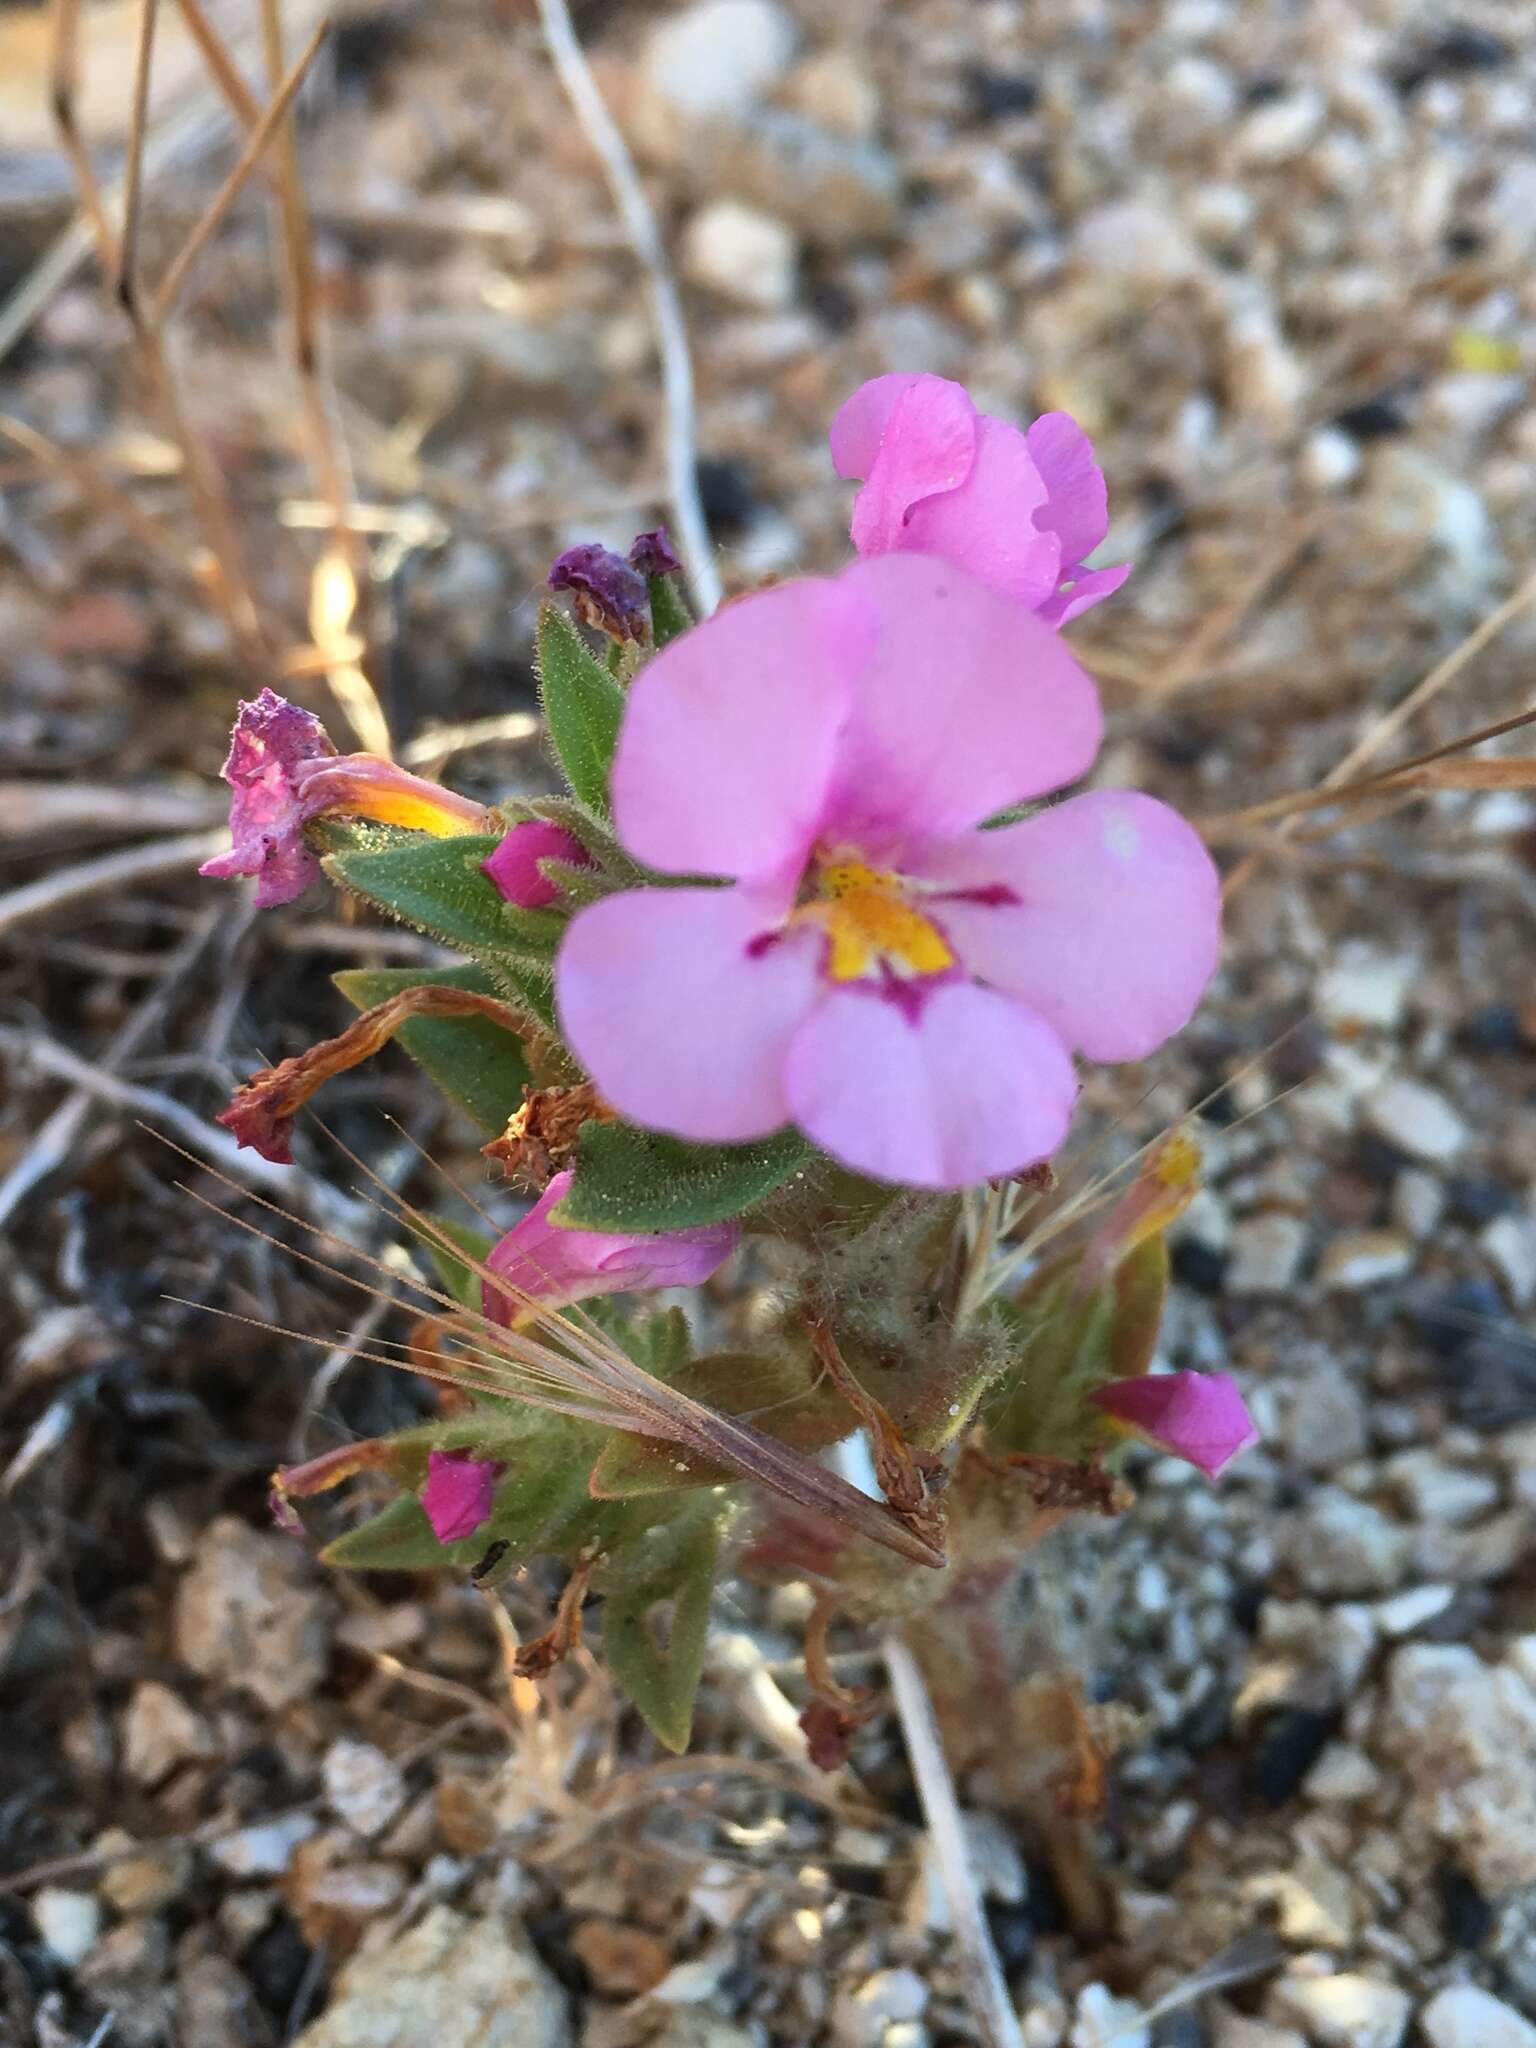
x=459 y=1492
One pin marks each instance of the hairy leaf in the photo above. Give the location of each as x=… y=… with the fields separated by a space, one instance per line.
x=629 y=1179
x=658 y=1584
x=583 y=705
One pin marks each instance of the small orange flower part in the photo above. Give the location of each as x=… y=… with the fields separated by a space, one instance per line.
x=262 y=1113
x=284 y=772
x=1158 y=1197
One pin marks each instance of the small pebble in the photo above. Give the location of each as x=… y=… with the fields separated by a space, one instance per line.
x=1365 y=1258
x=68 y=1922
x=1266 y=1255
x=715 y=60
x=1464 y=2016
x=1348 y=2010
x=1418 y=1120
x=1509 y=1243
x=744 y=254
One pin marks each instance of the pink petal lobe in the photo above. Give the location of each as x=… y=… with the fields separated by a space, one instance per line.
x=928 y=447
x=966 y=705
x=1114 y=925
x=271 y=741
x=1077 y=504
x=459 y=1493
x=988 y=526
x=540 y=1260
x=961 y=1087
x=1079 y=591
x=1200 y=1416
x=861 y=419
x=514 y=866
x=681 y=1010
x=728 y=736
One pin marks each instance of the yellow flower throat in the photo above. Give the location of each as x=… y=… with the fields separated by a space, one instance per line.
x=869 y=923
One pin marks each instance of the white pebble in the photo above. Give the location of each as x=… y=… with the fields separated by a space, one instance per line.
x=1463 y=2016
x=68 y=1922
x=744 y=254
x=1417 y=1119
x=717 y=59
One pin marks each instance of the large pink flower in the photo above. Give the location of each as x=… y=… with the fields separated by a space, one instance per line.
x=1020 y=509
x=903 y=985
x=540 y=1260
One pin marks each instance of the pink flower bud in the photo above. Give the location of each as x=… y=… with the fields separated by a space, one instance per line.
x=514 y=866
x=459 y=1492
x=1200 y=1416
x=541 y=1261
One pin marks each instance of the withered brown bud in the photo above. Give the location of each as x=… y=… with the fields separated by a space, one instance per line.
x=540 y=1138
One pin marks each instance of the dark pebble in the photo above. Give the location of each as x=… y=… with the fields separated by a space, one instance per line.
x=1181 y=2029
x=1378 y=1158
x=726 y=493
x=1465 y=1914
x=1199 y=1265
x=1373 y=419
x=1495 y=1028
x=997 y=95
x=1013 y=1934
x=276 y=1963
x=1478 y=1198
x=1290 y=1745
x=1448 y=1322
x=1458 y=51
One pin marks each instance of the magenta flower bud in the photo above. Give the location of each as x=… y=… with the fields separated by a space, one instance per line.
x=459 y=1493
x=540 y=1261
x=514 y=866
x=609 y=593
x=1200 y=1416
x=284 y=772
x=651 y=553
x=1019 y=509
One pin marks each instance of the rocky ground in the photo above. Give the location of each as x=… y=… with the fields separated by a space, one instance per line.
x=1279 y=262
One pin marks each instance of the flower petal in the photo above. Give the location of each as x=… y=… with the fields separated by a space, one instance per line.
x=539 y=1258
x=1200 y=1416
x=1114 y=926
x=271 y=742
x=459 y=1493
x=1077 y=504
x=966 y=704
x=680 y=1019
x=1079 y=591
x=962 y=1086
x=927 y=446
x=514 y=866
x=989 y=525
x=861 y=420
x=727 y=742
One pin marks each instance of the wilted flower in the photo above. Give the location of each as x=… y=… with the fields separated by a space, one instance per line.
x=1020 y=509
x=284 y=771
x=1200 y=1416
x=903 y=985
x=651 y=553
x=610 y=594
x=459 y=1492
x=540 y=1259
x=514 y=866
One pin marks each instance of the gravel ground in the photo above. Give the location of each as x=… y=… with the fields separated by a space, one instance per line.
x=1278 y=260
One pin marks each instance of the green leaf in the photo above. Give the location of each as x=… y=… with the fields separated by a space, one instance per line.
x=659 y=1584
x=438 y=886
x=669 y=609
x=475 y=1062
x=583 y=705
x=1141 y=1290
x=454 y=1275
x=397 y=1539
x=629 y=1179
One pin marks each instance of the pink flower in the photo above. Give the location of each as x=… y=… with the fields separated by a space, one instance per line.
x=1021 y=510
x=904 y=986
x=541 y=1260
x=1195 y=1415
x=514 y=866
x=459 y=1492
x=284 y=772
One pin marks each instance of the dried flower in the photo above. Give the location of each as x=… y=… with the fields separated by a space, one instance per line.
x=284 y=772
x=459 y=1492
x=651 y=553
x=1200 y=1416
x=540 y=1260
x=1021 y=509
x=514 y=866
x=905 y=986
x=609 y=593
